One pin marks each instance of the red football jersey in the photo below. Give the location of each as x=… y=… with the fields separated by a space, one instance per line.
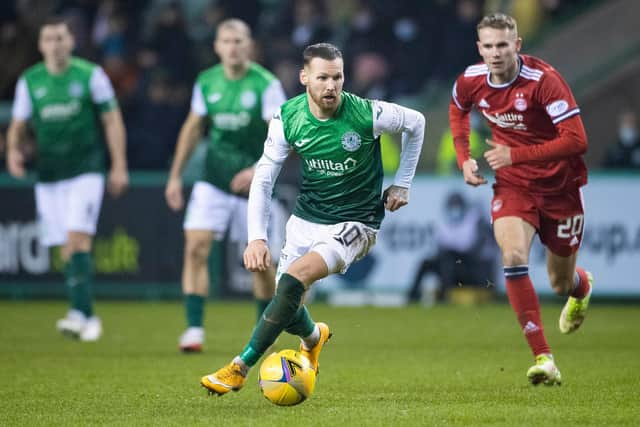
x=530 y=110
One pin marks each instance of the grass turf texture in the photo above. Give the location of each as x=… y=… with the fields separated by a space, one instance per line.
x=443 y=366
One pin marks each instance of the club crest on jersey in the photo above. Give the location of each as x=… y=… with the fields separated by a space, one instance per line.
x=351 y=141
x=520 y=103
x=496 y=205
x=75 y=89
x=248 y=99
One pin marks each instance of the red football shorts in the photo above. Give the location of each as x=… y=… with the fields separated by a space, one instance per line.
x=558 y=218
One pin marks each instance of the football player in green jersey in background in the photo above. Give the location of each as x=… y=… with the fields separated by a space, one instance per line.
x=340 y=205
x=236 y=99
x=69 y=102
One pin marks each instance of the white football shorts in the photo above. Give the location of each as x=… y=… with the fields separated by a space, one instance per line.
x=340 y=245
x=68 y=205
x=215 y=210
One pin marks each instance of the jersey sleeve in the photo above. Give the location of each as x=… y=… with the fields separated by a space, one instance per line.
x=460 y=96
x=276 y=150
x=22 y=107
x=272 y=98
x=276 y=146
x=555 y=96
x=459 y=109
x=393 y=118
x=102 y=93
x=198 y=106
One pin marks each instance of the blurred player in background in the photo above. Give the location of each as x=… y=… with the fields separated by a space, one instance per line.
x=69 y=102
x=536 y=151
x=340 y=205
x=236 y=99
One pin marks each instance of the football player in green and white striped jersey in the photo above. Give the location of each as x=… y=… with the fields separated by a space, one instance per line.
x=340 y=206
x=71 y=106
x=236 y=98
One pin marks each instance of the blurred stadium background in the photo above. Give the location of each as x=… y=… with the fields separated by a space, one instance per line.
x=407 y=51
x=448 y=365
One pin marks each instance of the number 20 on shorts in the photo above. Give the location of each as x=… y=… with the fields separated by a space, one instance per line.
x=571 y=226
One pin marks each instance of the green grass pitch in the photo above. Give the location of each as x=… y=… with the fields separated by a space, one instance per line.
x=384 y=367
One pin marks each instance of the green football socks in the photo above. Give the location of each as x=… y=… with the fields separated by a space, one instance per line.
x=78 y=273
x=194 y=310
x=283 y=312
x=302 y=324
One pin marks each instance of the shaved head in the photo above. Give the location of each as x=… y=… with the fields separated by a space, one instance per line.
x=234 y=25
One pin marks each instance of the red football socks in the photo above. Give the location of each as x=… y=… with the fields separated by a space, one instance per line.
x=524 y=301
x=582 y=287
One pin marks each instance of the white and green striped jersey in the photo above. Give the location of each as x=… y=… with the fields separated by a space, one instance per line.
x=238 y=112
x=341 y=162
x=64 y=110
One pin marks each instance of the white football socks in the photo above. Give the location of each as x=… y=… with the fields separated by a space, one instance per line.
x=309 y=342
x=243 y=366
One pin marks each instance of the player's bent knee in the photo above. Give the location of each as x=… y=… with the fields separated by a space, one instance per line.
x=309 y=268
x=332 y=260
x=514 y=256
x=197 y=250
x=77 y=242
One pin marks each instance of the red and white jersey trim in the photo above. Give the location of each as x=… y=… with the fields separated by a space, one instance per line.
x=566 y=115
x=530 y=73
x=476 y=70
x=454 y=96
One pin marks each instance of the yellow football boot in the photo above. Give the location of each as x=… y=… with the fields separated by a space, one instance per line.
x=314 y=353
x=575 y=310
x=544 y=371
x=224 y=380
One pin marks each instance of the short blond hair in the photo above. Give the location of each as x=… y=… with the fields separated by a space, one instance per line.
x=235 y=24
x=499 y=21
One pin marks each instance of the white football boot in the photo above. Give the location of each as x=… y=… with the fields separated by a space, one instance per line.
x=92 y=330
x=72 y=324
x=191 y=340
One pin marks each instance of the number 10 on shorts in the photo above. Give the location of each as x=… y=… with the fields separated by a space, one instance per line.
x=571 y=226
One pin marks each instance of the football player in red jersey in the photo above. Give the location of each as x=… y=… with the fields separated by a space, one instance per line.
x=537 y=144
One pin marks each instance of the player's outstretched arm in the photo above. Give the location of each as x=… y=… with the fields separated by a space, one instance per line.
x=276 y=150
x=190 y=134
x=15 y=159
x=20 y=114
x=459 y=110
x=393 y=118
x=118 y=179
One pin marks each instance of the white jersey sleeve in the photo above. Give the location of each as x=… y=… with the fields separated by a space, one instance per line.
x=393 y=118
x=197 y=101
x=100 y=86
x=272 y=98
x=22 y=107
x=276 y=150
